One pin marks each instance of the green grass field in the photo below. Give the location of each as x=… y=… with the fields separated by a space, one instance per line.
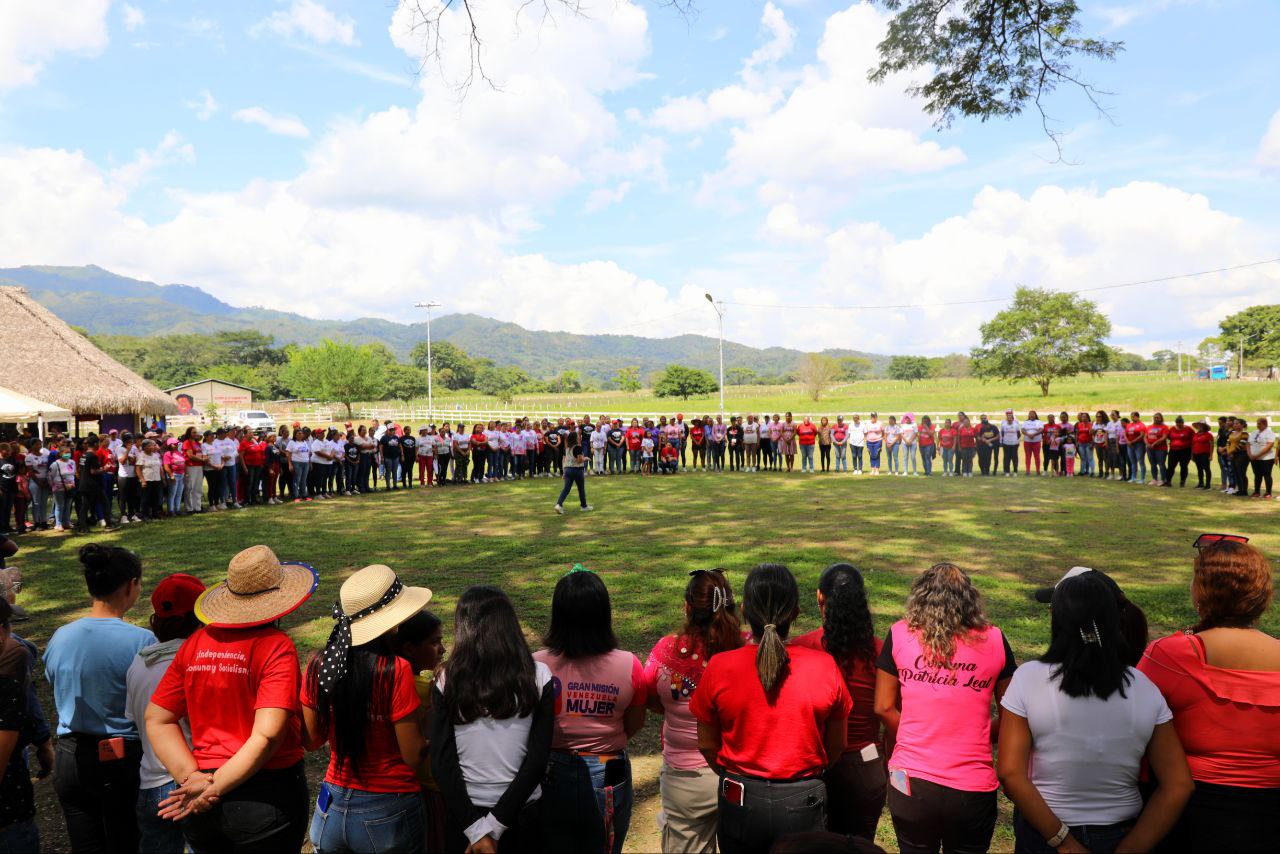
x=1012 y=535
x=1144 y=392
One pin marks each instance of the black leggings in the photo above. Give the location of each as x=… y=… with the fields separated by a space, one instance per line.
x=574 y=475
x=98 y=799
x=267 y=813
x=1204 y=474
x=1240 y=465
x=824 y=455
x=855 y=795
x=1178 y=459
x=1262 y=475
x=152 y=497
x=965 y=465
x=936 y=816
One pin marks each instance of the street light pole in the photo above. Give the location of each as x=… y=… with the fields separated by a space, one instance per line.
x=1179 y=360
x=720 y=316
x=430 y=397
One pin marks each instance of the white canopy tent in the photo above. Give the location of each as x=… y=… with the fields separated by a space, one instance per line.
x=20 y=409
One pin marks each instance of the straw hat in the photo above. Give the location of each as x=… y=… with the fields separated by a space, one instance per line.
x=259 y=589
x=364 y=589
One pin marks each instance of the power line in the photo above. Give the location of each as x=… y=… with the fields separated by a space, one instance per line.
x=1003 y=298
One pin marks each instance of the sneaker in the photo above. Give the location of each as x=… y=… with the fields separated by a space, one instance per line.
x=586 y=507
x=102 y=523
x=559 y=509
x=125 y=520
x=297 y=501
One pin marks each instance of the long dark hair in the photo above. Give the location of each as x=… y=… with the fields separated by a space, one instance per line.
x=770 y=599
x=712 y=621
x=363 y=692
x=1087 y=643
x=490 y=671
x=847 y=631
x=581 y=617
x=108 y=568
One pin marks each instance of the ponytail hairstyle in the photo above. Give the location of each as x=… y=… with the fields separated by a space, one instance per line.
x=943 y=605
x=108 y=568
x=770 y=601
x=847 y=631
x=1087 y=642
x=712 y=621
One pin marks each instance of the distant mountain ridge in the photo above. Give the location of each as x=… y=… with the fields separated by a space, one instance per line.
x=135 y=307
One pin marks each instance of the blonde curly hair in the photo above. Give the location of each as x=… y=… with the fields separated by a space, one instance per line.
x=943 y=605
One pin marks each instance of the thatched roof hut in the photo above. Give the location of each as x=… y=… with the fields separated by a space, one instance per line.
x=43 y=357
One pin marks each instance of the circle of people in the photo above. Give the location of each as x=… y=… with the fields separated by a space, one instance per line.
x=192 y=732
x=132 y=478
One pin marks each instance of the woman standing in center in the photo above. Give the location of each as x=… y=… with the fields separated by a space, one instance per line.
x=856 y=782
x=672 y=673
x=941 y=669
x=600 y=704
x=771 y=721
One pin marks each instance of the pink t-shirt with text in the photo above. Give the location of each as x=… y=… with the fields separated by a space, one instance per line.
x=592 y=695
x=944 y=735
x=176 y=461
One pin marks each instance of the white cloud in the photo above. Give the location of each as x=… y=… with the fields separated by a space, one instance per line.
x=280 y=125
x=205 y=106
x=1269 y=148
x=310 y=20
x=173 y=148
x=603 y=197
x=782 y=37
x=133 y=17
x=32 y=32
x=783 y=224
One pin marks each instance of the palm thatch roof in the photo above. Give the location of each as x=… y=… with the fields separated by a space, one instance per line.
x=43 y=357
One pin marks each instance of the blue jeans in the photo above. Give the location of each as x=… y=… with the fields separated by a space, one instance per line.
x=873 y=454
x=1086 y=459
x=230 y=495
x=300 y=471
x=909 y=459
x=926 y=458
x=948 y=460
x=62 y=502
x=806 y=458
x=391 y=471
x=893 y=458
x=39 y=503
x=1098 y=838
x=1137 y=462
x=158 y=835
x=841 y=463
x=20 y=837
x=579 y=793
x=1159 y=471
x=174 y=501
x=1226 y=470
x=370 y=822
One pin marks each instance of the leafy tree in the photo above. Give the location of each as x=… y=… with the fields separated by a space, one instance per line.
x=250 y=347
x=1123 y=361
x=1259 y=326
x=987 y=58
x=628 y=379
x=739 y=376
x=338 y=371
x=853 y=368
x=684 y=382
x=502 y=383
x=1043 y=336
x=909 y=368
x=817 y=372
x=405 y=382
x=956 y=365
x=446 y=357
x=566 y=382
x=1166 y=360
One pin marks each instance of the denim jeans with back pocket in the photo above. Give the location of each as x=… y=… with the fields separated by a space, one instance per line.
x=586 y=800
x=370 y=822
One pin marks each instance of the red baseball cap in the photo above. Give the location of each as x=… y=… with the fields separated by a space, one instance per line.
x=175 y=595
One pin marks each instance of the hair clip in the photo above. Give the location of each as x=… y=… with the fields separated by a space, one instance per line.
x=719 y=599
x=1094 y=636
x=577 y=567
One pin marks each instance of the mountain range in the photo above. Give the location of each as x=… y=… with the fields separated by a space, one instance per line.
x=104 y=303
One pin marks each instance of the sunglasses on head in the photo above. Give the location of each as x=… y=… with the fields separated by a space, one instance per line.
x=1205 y=540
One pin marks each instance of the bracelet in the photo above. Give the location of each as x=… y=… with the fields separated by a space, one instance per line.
x=1060 y=837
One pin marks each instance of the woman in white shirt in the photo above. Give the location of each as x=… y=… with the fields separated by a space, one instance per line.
x=491 y=721
x=1032 y=433
x=857 y=442
x=299 y=453
x=150 y=471
x=908 y=432
x=892 y=442
x=1077 y=724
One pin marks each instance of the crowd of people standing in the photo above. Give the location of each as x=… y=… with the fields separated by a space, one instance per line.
x=192 y=732
x=124 y=478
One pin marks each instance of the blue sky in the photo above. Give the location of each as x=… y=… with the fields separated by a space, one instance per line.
x=299 y=155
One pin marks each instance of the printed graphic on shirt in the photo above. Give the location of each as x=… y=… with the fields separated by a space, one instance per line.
x=585 y=699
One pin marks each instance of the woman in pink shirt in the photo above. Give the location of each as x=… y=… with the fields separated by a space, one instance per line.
x=600 y=699
x=687 y=784
x=941 y=670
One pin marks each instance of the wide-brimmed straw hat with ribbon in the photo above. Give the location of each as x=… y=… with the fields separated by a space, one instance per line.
x=259 y=589
x=372 y=602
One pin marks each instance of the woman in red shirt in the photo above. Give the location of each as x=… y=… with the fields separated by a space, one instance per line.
x=947 y=442
x=1221 y=679
x=967 y=439
x=1181 y=438
x=697 y=439
x=806 y=435
x=1157 y=441
x=925 y=438
x=770 y=722
x=359 y=698
x=236 y=683
x=856 y=782
x=1202 y=444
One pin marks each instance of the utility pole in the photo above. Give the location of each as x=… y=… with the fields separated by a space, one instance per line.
x=720 y=316
x=1240 y=369
x=430 y=396
x=1179 y=360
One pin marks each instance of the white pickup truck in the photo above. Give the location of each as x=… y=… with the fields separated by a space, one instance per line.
x=255 y=419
